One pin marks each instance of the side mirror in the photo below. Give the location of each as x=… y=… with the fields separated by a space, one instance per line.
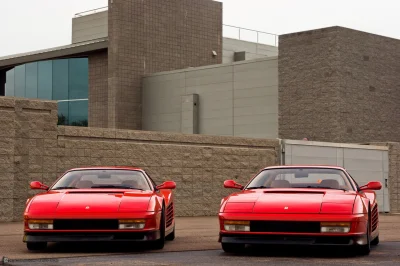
x=38 y=185
x=167 y=185
x=232 y=184
x=373 y=185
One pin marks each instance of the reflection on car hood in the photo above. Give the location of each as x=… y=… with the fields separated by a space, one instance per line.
x=291 y=201
x=91 y=201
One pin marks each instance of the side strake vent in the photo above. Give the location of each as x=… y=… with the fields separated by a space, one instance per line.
x=374 y=218
x=170 y=214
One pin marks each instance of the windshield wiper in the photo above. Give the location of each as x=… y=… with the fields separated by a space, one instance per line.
x=57 y=188
x=111 y=186
x=257 y=187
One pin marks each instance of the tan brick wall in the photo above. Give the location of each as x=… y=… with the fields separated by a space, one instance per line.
x=33 y=148
x=339 y=85
x=27 y=128
x=151 y=36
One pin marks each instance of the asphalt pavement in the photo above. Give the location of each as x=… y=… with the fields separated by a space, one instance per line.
x=385 y=254
x=195 y=244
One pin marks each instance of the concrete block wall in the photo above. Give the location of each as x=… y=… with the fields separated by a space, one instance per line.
x=252 y=50
x=28 y=142
x=237 y=99
x=33 y=148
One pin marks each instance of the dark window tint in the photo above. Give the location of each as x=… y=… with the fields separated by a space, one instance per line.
x=10 y=83
x=78 y=78
x=31 y=89
x=63 y=113
x=45 y=80
x=60 y=79
x=20 y=81
x=78 y=113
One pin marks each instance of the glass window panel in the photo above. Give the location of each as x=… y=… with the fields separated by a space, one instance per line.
x=63 y=113
x=10 y=83
x=60 y=79
x=31 y=80
x=20 y=81
x=45 y=80
x=78 y=78
x=78 y=113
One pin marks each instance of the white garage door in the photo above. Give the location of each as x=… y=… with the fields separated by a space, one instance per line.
x=364 y=162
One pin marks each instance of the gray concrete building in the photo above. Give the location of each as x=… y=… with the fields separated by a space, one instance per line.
x=174 y=67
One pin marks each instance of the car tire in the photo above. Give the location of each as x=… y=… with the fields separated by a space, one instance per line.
x=36 y=245
x=171 y=236
x=159 y=244
x=364 y=250
x=375 y=242
x=233 y=248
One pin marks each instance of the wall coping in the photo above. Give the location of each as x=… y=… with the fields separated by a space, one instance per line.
x=81 y=133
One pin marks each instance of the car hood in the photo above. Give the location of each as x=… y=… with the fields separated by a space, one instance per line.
x=87 y=202
x=278 y=201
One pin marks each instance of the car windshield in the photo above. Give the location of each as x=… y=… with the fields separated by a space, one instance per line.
x=325 y=178
x=99 y=178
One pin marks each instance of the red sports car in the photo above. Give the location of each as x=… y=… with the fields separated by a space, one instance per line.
x=300 y=205
x=100 y=204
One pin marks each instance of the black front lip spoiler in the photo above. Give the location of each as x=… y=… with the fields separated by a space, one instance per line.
x=90 y=237
x=293 y=240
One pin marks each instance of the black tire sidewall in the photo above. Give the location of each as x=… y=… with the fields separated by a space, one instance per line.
x=162 y=224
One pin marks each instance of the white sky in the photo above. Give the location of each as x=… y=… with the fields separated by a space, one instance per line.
x=28 y=25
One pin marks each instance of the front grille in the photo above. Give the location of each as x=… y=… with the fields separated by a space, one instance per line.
x=86 y=224
x=285 y=226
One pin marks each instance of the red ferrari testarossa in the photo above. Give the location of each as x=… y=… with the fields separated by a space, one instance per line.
x=100 y=204
x=300 y=205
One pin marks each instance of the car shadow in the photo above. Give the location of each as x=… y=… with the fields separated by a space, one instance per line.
x=297 y=251
x=97 y=247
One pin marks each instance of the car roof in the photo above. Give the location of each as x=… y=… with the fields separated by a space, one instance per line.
x=130 y=168
x=305 y=166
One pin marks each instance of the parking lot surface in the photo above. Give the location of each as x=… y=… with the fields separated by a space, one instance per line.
x=387 y=253
x=195 y=243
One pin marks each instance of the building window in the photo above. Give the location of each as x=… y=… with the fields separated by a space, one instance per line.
x=10 y=83
x=45 y=80
x=63 y=80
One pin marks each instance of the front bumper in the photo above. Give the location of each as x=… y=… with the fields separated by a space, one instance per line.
x=356 y=236
x=91 y=236
x=322 y=240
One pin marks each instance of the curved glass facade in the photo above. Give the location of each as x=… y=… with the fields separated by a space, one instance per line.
x=63 y=80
